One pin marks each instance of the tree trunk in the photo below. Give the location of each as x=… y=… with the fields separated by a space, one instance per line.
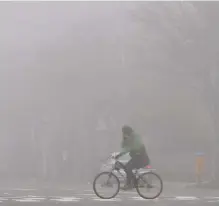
x=213 y=105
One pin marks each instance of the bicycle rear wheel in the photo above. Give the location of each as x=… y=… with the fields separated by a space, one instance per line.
x=110 y=185
x=149 y=185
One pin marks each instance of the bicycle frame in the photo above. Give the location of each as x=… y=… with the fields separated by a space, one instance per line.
x=117 y=166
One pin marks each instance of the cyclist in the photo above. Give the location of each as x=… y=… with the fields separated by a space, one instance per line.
x=133 y=145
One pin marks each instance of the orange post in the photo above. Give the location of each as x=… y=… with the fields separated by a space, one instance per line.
x=199 y=166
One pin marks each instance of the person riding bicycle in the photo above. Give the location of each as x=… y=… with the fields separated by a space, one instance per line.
x=133 y=145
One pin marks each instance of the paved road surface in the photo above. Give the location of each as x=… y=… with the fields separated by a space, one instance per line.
x=84 y=196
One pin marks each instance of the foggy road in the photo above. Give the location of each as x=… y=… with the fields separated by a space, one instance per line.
x=85 y=196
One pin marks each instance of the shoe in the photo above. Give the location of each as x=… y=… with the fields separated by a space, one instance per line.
x=127 y=187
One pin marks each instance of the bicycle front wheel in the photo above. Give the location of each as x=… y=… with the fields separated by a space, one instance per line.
x=149 y=185
x=106 y=185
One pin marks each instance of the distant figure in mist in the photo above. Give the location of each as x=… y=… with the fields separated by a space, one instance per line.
x=132 y=144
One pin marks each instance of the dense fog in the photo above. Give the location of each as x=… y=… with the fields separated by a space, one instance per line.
x=72 y=73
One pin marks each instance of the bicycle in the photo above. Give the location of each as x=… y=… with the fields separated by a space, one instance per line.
x=137 y=180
